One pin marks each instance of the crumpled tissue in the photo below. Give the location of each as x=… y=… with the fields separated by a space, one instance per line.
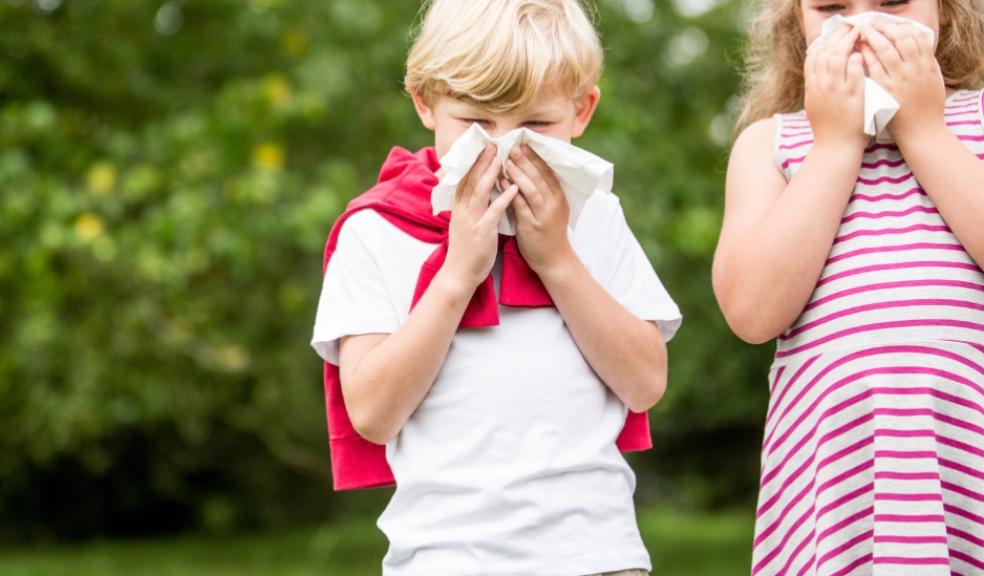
x=580 y=172
x=879 y=106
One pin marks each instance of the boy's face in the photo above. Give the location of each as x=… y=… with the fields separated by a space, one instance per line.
x=552 y=114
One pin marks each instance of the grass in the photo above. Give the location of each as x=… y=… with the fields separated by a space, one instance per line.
x=691 y=544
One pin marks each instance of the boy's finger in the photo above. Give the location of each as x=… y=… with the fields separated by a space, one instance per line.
x=522 y=156
x=527 y=188
x=481 y=165
x=524 y=212
x=549 y=177
x=482 y=188
x=499 y=206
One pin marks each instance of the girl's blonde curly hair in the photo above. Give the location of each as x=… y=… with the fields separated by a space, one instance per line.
x=776 y=50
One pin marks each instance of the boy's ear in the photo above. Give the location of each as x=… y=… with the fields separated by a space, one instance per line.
x=424 y=110
x=585 y=107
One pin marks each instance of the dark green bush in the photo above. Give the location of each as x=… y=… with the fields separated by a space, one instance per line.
x=168 y=173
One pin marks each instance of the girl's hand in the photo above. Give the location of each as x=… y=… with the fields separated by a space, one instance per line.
x=473 y=238
x=541 y=210
x=834 y=90
x=902 y=60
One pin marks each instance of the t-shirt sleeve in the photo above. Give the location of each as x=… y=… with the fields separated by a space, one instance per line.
x=354 y=296
x=627 y=274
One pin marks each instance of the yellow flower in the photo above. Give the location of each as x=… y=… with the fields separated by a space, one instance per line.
x=101 y=178
x=277 y=90
x=89 y=226
x=268 y=156
x=294 y=43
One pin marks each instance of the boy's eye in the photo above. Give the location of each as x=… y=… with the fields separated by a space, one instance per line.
x=538 y=123
x=480 y=121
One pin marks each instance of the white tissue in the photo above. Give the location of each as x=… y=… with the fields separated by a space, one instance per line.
x=580 y=172
x=879 y=106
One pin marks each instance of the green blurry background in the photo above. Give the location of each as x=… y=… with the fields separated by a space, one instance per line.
x=168 y=174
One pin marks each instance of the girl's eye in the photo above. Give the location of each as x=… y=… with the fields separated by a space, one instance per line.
x=830 y=7
x=891 y=3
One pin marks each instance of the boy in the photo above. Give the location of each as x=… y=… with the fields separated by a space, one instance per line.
x=498 y=379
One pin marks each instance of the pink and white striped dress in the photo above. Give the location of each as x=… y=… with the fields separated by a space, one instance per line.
x=873 y=456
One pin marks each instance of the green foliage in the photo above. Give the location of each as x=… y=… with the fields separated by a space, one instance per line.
x=168 y=174
x=680 y=544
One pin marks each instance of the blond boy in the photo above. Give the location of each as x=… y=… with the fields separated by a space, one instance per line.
x=497 y=373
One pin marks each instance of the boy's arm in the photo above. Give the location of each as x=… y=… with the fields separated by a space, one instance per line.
x=626 y=352
x=385 y=377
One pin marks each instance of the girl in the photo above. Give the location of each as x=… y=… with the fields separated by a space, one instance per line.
x=865 y=260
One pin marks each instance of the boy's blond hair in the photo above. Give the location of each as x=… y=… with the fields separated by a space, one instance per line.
x=777 y=49
x=503 y=54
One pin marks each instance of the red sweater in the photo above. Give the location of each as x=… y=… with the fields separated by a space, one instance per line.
x=402 y=196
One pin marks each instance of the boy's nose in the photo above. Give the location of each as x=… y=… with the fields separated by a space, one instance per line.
x=501 y=130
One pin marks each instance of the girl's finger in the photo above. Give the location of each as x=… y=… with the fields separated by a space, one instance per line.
x=905 y=43
x=842 y=50
x=810 y=69
x=883 y=48
x=925 y=45
x=875 y=68
x=823 y=69
x=855 y=73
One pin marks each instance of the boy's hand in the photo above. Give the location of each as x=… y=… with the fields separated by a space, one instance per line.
x=473 y=238
x=903 y=61
x=834 y=90
x=541 y=210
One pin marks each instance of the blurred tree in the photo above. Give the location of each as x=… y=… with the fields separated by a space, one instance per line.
x=168 y=173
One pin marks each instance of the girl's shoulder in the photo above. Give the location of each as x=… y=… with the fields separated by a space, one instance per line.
x=964 y=114
x=756 y=146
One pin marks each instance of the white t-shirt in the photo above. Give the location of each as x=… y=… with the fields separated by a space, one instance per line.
x=509 y=464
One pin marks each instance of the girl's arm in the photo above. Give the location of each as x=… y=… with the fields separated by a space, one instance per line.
x=385 y=377
x=953 y=176
x=626 y=352
x=904 y=62
x=776 y=236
